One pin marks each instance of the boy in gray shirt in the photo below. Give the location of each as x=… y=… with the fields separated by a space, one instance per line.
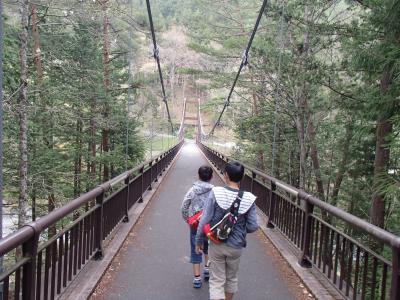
x=194 y=201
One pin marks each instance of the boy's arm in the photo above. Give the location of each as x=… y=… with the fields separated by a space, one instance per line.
x=251 y=222
x=208 y=214
x=186 y=204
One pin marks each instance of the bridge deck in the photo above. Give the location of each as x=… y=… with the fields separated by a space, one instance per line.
x=153 y=263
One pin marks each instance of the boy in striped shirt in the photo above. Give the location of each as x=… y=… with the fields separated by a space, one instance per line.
x=225 y=257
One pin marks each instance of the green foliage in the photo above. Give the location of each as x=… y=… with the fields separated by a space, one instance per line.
x=332 y=54
x=66 y=106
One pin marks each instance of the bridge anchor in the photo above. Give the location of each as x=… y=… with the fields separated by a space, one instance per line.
x=305 y=262
x=270 y=225
x=98 y=255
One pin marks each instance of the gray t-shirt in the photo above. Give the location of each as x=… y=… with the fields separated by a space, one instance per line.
x=195 y=199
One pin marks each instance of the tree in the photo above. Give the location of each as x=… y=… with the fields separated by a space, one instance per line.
x=23 y=116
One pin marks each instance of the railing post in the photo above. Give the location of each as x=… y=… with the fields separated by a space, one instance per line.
x=271 y=212
x=29 y=249
x=98 y=230
x=151 y=175
x=126 y=217
x=253 y=177
x=157 y=163
x=142 y=184
x=305 y=260
x=395 y=292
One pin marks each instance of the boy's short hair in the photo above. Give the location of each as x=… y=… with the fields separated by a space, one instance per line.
x=235 y=171
x=205 y=173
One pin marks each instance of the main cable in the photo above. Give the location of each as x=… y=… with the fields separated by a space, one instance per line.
x=242 y=64
x=156 y=56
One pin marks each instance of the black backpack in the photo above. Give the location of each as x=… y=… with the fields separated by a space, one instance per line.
x=223 y=228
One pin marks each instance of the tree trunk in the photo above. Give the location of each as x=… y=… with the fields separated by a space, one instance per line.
x=37 y=60
x=47 y=122
x=48 y=140
x=106 y=80
x=78 y=159
x=33 y=193
x=92 y=146
x=343 y=164
x=23 y=116
x=300 y=101
x=183 y=86
x=256 y=112
x=112 y=143
x=315 y=160
x=52 y=231
x=172 y=79
x=278 y=155
x=33 y=201
x=384 y=128
x=36 y=45
x=300 y=127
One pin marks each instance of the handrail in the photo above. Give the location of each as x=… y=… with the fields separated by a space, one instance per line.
x=351 y=266
x=377 y=232
x=70 y=249
x=29 y=230
x=16 y=238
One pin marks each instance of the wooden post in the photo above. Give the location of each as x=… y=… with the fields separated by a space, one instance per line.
x=98 y=229
x=395 y=291
x=29 y=249
x=271 y=211
x=151 y=175
x=126 y=217
x=142 y=184
x=305 y=260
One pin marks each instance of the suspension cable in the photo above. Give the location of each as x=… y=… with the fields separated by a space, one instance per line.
x=243 y=63
x=156 y=56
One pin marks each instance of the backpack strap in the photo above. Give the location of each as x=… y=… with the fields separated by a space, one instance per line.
x=234 y=209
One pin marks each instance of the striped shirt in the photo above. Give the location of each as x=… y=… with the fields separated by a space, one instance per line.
x=225 y=197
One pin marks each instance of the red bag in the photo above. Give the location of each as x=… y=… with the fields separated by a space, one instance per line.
x=194 y=220
x=210 y=234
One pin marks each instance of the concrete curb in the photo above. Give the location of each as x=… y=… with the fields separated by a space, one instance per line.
x=86 y=281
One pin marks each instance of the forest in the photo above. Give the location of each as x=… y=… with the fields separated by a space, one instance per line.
x=317 y=105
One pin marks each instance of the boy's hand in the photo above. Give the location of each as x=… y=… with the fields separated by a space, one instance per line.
x=199 y=249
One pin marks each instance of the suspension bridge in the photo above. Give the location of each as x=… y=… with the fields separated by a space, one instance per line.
x=129 y=241
x=125 y=239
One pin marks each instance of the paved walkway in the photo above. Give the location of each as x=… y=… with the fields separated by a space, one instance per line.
x=155 y=264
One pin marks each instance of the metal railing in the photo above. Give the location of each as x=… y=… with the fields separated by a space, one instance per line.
x=349 y=264
x=45 y=268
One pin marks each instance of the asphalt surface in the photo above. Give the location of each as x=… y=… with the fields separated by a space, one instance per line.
x=155 y=265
